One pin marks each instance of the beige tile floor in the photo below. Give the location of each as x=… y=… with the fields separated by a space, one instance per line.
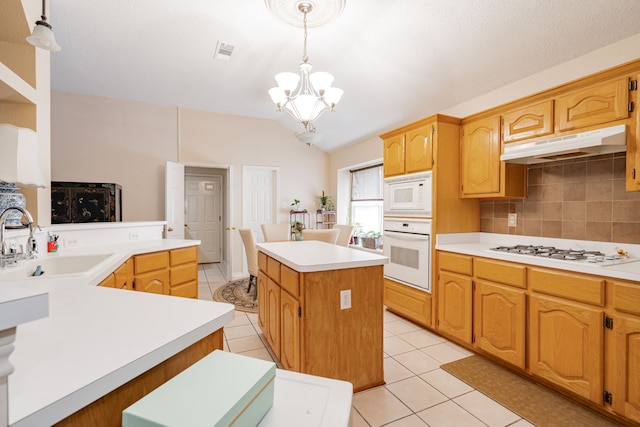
x=417 y=392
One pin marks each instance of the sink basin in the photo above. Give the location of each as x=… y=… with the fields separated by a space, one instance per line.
x=71 y=265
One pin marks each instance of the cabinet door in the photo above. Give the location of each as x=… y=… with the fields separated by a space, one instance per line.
x=124 y=276
x=594 y=105
x=408 y=302
x=393 y=163
x=419 y=150
x=290 y=332
x=273 y=317
x=262 y=301
x=528 y=122
x=481 y=157
x=566 y=345
x=626 y=393
x=499 y=322
x=156 y=282
x=108 y=282
x=454 y=305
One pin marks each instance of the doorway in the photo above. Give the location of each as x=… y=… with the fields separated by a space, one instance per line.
x=203 y=215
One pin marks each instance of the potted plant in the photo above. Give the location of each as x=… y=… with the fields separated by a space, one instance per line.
x=372 y=240
x=357 y=233
x=296 y=205
x=326 y=204
x=297 y=228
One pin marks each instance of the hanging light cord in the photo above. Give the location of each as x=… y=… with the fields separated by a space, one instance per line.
x=305 y=58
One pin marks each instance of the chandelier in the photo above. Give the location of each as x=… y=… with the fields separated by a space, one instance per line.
x=313 y=97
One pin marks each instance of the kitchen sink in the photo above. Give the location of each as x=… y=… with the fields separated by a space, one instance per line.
x=66 y=265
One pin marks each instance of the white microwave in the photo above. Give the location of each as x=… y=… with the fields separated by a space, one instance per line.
x=408 y=195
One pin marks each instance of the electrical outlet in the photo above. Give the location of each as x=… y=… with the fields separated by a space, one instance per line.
x=345 y=299
x=134 y=235
x=512 y=219
x=70 y=243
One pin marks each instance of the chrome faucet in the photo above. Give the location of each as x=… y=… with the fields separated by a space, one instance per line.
x=9 y=254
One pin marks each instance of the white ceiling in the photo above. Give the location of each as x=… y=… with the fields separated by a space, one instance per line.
x=397 y=60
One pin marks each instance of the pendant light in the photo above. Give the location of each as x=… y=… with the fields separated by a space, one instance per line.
x=42 y=34
x=305 y=96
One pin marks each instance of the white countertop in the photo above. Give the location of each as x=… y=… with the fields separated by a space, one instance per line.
x=19 y=305
x=309 y=401
x=479 y=244
x=312 y=255
x=96 y=339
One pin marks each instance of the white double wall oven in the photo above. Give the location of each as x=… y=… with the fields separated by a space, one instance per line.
x=408 y=202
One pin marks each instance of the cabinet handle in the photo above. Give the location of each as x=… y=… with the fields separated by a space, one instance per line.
x=170 y=229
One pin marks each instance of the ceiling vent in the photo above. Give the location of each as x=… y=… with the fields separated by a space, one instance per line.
x=223 y=51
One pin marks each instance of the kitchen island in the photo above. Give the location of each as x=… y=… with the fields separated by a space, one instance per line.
x=321 y=307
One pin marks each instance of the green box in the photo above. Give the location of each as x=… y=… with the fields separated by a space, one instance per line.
x=221 y=389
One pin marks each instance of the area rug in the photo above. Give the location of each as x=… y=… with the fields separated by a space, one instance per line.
x=235 y=293
x=537 y=404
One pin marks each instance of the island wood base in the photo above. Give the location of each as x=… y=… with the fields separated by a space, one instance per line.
x=305 y=326
x=107 y=411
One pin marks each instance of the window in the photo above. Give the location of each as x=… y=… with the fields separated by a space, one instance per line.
x=366 y=198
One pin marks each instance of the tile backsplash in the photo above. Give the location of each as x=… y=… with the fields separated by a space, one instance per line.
x=582 y=199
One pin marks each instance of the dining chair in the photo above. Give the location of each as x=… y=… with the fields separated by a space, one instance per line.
x=249 y=242
x=325 y=235
x=276 y=232
x=345 y=234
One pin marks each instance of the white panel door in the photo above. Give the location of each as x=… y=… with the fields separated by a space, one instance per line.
x=174 y=200
x=204 y=215
x=259 y=195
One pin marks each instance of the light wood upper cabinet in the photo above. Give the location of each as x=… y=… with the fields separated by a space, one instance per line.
x=482 y=172
x=419 y=149
x=408 y=150
x=528 y=122
x=594 y=105
x=394 y=156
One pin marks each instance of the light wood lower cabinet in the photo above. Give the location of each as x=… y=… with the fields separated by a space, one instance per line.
x=499 y=321
x=408 y=302
x=566 y=345
x=173 y=272
x=121 y=278
x=290 y=331
x=625 y=370
x=184 y=272
x=272 y=331
x=307 y=330
x=455 y=299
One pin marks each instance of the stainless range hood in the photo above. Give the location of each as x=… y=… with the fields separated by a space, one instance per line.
x=592 y=143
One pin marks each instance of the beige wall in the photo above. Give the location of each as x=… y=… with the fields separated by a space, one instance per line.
x=97 y=139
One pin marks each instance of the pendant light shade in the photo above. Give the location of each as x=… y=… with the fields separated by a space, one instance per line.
x=42 y=34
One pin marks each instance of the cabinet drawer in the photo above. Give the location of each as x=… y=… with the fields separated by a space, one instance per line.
x=456 y=263
x=184 y=256
x=408 y=302
x=626 y=297
x=262 y=261
x=576 y=287
x=186 y=290
x=290 y=280
x=273 y=269
x=183 y=274
x=501 y=272
x=151 y=262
